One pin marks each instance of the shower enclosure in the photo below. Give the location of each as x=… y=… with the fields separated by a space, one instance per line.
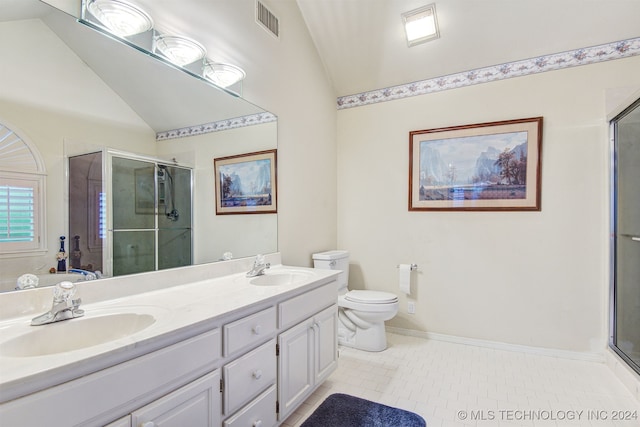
x=625 y=259
x=128 y=214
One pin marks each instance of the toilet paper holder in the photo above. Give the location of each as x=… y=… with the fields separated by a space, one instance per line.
x=414 y=267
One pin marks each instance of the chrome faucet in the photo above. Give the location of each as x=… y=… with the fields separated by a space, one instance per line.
x=259 y=267
x=64 y=306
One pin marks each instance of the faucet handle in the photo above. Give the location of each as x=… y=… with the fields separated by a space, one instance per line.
x=259 y=259
x=64 y=291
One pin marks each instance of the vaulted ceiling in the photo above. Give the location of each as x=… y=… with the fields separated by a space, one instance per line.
x=362 y=43
x=363 y=46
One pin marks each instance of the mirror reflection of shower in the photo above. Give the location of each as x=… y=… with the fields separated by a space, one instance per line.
x=151 y=221
x=135 y=218
x=166 y=186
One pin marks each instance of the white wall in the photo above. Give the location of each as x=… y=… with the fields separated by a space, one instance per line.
x=528 y=278
x=289 y=81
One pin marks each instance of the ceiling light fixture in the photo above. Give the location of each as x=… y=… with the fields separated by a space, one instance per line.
x=421 y=25
x=121 y=18
x=223 y=75
x=179 y=50
x=136 y=28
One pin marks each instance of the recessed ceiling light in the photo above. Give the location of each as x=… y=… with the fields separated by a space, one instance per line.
x=421 y=25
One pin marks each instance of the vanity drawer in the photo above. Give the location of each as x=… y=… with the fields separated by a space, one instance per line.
x=298 y=308
x=248 y=331
x=248 y=376
x=259 y=413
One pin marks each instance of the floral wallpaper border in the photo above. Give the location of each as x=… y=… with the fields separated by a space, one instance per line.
x=540 y=64
x=584 y=56
x=238 y=122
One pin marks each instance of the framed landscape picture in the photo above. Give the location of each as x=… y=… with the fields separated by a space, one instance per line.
x=246 y=183
x=481 y=167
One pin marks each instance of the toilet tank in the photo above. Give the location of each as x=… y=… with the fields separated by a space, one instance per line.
x=334 y=260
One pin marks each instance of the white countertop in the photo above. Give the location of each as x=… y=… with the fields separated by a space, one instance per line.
x=180 y=311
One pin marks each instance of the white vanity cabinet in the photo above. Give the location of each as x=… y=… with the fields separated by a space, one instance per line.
x=246 y=367
x=165 y=376
x=308 y=351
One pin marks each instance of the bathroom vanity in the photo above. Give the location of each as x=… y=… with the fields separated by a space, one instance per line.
x=196 y=346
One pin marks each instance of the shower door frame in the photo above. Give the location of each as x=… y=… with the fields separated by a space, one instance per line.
x=109 y=154
x=633 y=103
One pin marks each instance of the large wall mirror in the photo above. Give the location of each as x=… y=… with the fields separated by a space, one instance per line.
x=69 y=90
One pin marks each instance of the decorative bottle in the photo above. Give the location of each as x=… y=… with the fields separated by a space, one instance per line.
x=62 y=257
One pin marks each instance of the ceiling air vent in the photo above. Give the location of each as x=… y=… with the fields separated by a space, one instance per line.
x=267 y=20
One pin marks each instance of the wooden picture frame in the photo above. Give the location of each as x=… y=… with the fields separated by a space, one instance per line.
x=493 y=166
x=246 y=183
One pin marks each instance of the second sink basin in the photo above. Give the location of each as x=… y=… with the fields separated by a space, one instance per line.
x=278 y=278
x=75 y=334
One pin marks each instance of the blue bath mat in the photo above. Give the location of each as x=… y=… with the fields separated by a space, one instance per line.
x=342 y=410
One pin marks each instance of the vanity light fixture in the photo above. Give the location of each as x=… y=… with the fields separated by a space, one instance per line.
x=223 y=75
x=121 y=18
x=179 y=50
x=421 y=25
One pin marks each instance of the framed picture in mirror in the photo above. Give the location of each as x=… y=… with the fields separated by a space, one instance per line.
x=246 y=183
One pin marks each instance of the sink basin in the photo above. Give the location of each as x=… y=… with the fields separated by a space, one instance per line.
x=278 y=278
x=75 y=334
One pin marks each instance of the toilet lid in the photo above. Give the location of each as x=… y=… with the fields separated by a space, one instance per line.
x=371 y=297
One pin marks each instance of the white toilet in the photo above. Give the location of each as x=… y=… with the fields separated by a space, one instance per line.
x=361 y=313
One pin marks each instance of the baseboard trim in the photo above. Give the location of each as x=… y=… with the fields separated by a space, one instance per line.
x=623 y=372
x=564 y=354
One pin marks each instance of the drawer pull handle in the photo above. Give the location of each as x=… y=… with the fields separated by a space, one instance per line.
x=257 y=329
x=257 y=423
x=148 y=424
x=257 y=374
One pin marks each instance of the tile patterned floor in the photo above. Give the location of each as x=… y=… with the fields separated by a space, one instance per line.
x=451 y=384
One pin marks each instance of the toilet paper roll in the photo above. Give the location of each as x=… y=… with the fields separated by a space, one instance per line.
x=404 y=278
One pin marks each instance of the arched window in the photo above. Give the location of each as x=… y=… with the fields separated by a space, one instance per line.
x=22 y=176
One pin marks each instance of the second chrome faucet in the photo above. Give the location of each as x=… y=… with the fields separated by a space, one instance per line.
x=259 y=267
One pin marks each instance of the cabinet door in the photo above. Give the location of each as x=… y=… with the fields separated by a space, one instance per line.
x=295 y=366
x=326 y=343
x=196 y=404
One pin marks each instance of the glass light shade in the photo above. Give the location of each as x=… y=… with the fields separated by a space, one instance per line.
x=121 y=18
x=223 y=75
x=179 y=50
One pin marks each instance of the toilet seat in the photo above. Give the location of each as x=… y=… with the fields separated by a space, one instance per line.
x=370 y=297
x=369 y=301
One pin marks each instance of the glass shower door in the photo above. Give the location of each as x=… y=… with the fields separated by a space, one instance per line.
x=134 y=216
x=151 y=211
x=174 y=217
x=626 y=258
